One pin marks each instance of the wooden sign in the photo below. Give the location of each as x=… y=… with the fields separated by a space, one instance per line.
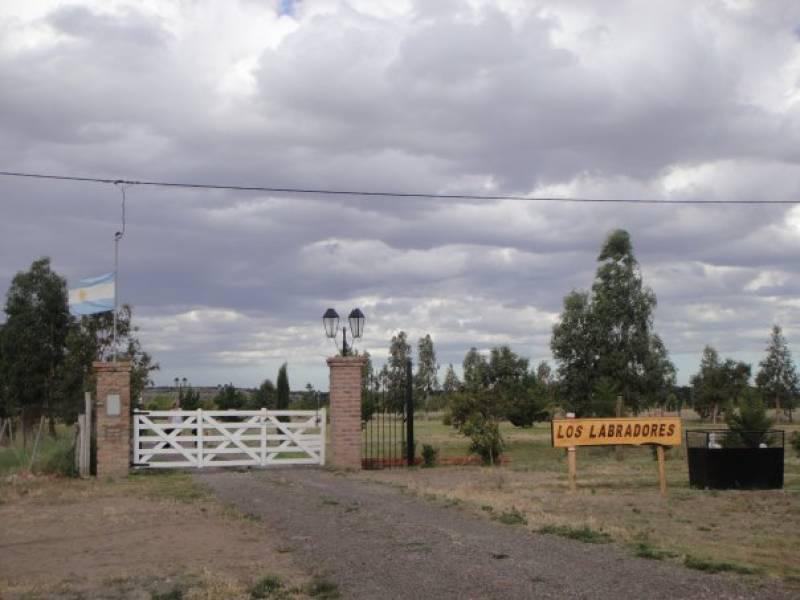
x=660 y=431
x=664 y=431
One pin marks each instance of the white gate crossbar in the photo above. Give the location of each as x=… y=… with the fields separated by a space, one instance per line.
x=228 y=438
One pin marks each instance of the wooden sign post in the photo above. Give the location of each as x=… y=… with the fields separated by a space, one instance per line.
x=572 y=464
x=658 y=431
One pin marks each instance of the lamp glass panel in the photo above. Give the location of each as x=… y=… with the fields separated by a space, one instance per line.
x=357 y=321
x=331 y=322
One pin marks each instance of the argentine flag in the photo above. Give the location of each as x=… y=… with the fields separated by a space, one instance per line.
x=93 y=295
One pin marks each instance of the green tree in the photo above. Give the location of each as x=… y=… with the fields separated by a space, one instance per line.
x=91 y=338
x=369 y=388
x=474 y=366
x=399 y=353
x=230 y=398
x=34 y=338
x=265 y=396
x=520 y=398
x=573 y=347
x=622 y=310
x=717 y=384
x=659 y=375
x=777 y=377
x=707 y=385
x=190 y=399
x=395 y=371
x=750 y=424
x=425 y=380
x=5 y=408
x=451 y=382
x=604 y=398
x=610 y=334
x=283 y=388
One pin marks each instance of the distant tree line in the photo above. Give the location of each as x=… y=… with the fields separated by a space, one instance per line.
x=609 y=360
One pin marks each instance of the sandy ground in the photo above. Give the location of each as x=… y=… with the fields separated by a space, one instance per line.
x=69 y=539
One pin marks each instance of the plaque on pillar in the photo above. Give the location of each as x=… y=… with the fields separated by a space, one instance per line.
x=112 y=405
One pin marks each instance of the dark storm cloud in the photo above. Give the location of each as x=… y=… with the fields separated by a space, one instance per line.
x=675 y=101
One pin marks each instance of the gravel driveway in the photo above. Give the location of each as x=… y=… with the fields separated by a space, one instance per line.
x=376 y=542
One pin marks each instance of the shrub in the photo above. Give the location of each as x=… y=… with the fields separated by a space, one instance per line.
x=160 y=402
x=511 y=517
x=714 y=566
x=429 y=455
x=368 y=406
x=60 y=459
x=750 y=424
x=486 y=439
x=795 y=442
x=582 y=534
x=269 y=586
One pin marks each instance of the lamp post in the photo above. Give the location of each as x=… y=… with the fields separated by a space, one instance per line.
x=356 y=319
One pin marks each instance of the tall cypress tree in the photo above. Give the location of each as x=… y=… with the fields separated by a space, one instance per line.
x=283 y=388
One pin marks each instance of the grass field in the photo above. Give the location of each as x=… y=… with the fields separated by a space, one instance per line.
x=739 y=531
x=53 y=455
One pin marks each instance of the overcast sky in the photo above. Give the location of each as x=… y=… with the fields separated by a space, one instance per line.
x=660 y=100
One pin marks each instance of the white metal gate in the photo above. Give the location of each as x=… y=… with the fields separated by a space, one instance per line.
x=228 y=438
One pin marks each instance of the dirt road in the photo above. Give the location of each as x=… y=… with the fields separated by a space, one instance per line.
x=377 y=542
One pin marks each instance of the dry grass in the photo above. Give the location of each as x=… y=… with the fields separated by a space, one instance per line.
x=754 y=529
x=68 y=537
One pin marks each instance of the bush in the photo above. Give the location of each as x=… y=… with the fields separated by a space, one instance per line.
x=368 y=405
x=447 y=419
x=511 y=517
x=269 y=586
x=429 y=455
x=795 y=442
x=486 y=439
x=750 y=424
x=60 y=459
x=160 y=402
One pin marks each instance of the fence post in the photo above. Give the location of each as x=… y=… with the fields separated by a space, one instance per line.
x=409 y=415
x=200 y=437
x=323 y=415
x=264 y=437
x=86 y=436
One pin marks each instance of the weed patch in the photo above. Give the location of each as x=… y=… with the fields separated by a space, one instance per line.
x=582 y=534
x=715 y=566
x=323 y=588
x=269 y=586
x=645 y=550
x=511 y=517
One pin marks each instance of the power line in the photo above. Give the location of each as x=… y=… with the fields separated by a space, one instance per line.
x=386 y=194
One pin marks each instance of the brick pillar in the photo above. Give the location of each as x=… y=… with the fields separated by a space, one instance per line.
x=345 y=395
x=113 y=410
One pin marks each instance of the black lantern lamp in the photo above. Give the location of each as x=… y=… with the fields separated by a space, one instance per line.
x=357 y=320
x=331 y=322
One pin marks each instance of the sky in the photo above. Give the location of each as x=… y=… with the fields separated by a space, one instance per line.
x=680 y=100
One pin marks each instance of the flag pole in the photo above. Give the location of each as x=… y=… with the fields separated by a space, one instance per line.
x=117 y=237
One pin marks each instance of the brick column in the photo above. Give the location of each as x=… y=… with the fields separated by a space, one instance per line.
x=113 y=410
x=345 y=395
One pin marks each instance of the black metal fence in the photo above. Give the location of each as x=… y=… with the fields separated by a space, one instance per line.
x=387 y=423
x=723 y=459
